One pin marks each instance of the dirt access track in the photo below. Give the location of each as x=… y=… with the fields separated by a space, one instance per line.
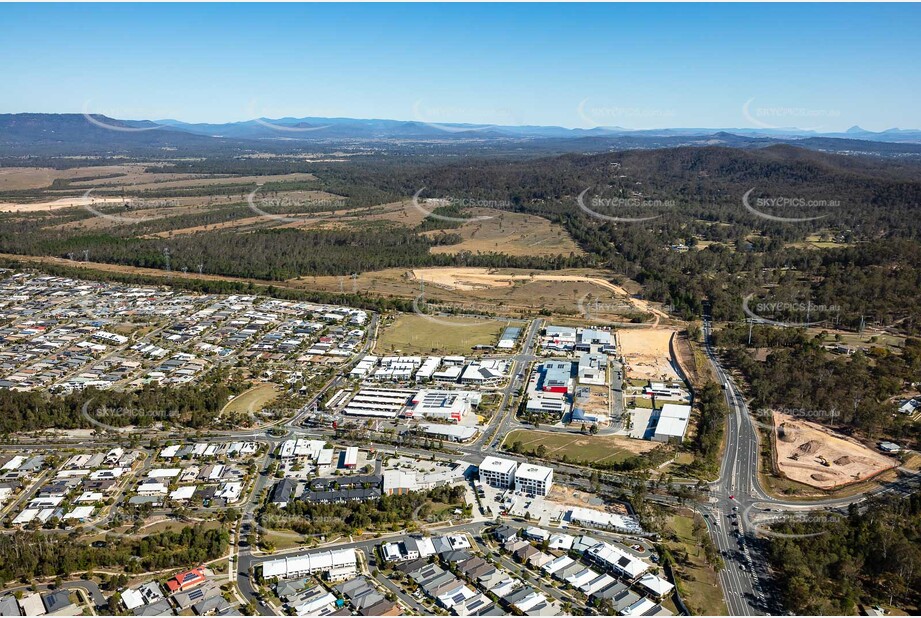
x=64 y=202
x=479 y=278
x=801 y=447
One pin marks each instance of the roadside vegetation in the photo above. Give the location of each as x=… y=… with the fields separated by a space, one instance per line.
x=869 y=557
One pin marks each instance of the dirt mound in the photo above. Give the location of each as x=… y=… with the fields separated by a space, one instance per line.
x=843 y=461
x=809 y=448
x=786 y=433
x=818 y=477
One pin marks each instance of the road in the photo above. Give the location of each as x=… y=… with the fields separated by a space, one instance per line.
x=505 y=416
x=739 y=502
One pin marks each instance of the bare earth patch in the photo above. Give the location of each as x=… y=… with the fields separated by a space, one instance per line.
x=510 y=233
x=647 y=353
x=64 y=202
x=808 y=453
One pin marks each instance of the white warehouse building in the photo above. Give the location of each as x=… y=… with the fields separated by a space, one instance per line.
x=672 y=423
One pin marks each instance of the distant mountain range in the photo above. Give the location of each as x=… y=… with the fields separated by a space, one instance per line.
x=69 y=134
x=316 y=127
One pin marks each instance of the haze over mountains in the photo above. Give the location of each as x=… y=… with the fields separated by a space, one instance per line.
x=63 y=134
x=370 y=128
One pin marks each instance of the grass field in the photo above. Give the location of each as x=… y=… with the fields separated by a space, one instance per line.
x=698 y=583
x=252 y=400
x=578 y=447
x=511 y=233
x=418 y=334
x=893 y=343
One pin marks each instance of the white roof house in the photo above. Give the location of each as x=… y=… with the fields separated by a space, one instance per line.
x=639 y=608
x=152 y=489
x=618 y=560
x=32 y=605
x=655 y=584
x=558 y=564
x=183 y=493
x=90 y=496
x=80 y=513
x=164 y=473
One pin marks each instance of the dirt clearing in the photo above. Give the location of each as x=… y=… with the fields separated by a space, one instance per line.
x=64 y=202
x=810 y=454
x=511 y=233
x=647 y=353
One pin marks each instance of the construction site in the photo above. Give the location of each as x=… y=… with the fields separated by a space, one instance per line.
x=808 y=453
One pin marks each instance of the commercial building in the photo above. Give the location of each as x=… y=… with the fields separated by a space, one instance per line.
x=498 y=472
x=602 y=519
x=533 y=480
x=453 y=433
x=508 y=337
x=350 y=458
x=379 y=402
x=555 y=376
x=593 y=369
x=443 y=405
x=559 y=338
x=485 y=373
x=672 y=423
x=542 y=402
x=590 y=338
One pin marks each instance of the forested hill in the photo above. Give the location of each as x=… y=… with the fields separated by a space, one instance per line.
x=709 y=182
x=828 y=568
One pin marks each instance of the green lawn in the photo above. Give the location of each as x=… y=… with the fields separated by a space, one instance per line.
x=577 y=447
x=417 y=334
x=252 y=400
x=698 y=583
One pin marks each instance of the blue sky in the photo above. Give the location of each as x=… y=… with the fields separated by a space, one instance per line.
x=821 y=66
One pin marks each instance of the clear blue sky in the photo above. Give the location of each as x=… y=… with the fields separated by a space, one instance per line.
x=825 y=66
